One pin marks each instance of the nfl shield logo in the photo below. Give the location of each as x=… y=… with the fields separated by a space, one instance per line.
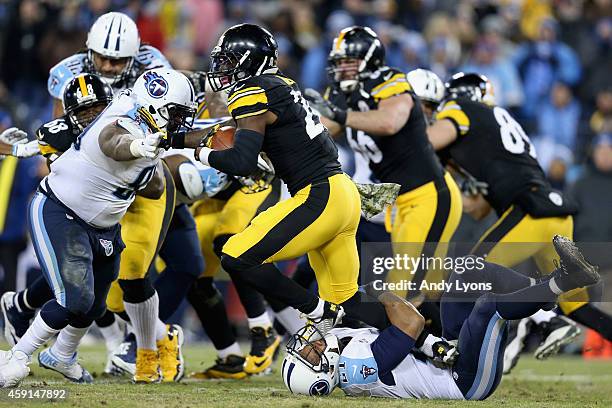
x=107 y=245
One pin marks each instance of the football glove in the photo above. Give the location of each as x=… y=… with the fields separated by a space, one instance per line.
x=324 y=107
x=472 y=187
x=148 y=146
x=12 y=136
x=23 y=150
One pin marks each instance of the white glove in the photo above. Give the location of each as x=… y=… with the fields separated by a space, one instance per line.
x=29 y=149
x=148 y=146
x=12 y=136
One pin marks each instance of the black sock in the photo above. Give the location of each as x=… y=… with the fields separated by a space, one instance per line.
x=37 y=294
x=367 y=309
x=210 y=308
x=251 y=300
x=525 y=302
x=172 y=287
x=595 y=319
x=106 y=320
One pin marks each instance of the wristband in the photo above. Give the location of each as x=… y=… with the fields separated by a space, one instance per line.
x=203 y=156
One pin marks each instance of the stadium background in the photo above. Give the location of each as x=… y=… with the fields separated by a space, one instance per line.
x=549 y=62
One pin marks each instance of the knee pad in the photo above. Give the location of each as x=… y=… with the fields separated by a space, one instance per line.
x=55 y=315
x=136 y=290
x=218 y=243
x=191 y=182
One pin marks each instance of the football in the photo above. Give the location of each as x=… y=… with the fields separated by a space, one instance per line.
x=223 y=138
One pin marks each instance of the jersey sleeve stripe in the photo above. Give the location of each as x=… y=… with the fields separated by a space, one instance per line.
x=246 y=115
x=247 y=103
x=395 y=85
x=46 y=149
x=453 y=111
x=242 y=92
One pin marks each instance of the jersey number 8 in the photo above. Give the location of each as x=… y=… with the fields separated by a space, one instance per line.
x=513 y=136
x=313 y=126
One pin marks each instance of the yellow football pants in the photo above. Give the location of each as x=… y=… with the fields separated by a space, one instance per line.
x=319 y=220
x=143 y=229
x=517 y=236
x=215 y=218
x=425 y=221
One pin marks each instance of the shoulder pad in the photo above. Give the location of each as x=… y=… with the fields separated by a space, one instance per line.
x=63 y=72
x=387 y=82
x=150 y=57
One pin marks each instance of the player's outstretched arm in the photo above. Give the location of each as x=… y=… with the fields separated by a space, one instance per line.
x=118 y=144
x=390 y=116
x=442 y=133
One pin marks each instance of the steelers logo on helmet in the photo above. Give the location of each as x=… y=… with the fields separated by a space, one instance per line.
x=156 y=85
x=320 y=387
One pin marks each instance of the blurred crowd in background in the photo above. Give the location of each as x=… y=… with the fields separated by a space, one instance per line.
x=549 y=62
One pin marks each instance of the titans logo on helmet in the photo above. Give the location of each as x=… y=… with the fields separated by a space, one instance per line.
x=156 y=85
x=321 y=387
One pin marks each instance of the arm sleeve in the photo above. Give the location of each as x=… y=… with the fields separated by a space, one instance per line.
x=390 y=348
x=240 y=160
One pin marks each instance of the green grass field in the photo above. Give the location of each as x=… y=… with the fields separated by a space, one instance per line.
x=559 y=382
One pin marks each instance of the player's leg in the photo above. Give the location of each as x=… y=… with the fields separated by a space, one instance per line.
x=208 y=302
x=287 y=230
x=426 y=220
x=67 y=267
x=236 y=214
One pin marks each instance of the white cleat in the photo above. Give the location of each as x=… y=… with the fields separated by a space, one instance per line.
x=516 y=343
x=13 y=368
x=72 y=370
x=559 y=331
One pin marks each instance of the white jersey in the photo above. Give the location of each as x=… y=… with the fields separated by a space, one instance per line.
x=413 y=378
x=148 y=58
x=97 y=188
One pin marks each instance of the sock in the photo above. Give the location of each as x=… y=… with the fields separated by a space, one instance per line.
x=263 y=320
x=317 y=313
x=291 y=319
x=38 y=293
x=593 y=318
x=172 y=287
x=251 y=300
x=37 y=334
x=67 y=342
x=112 y=334
x=143 y=317
x=542 y=316
x=160 y=330
x=210 y=308
x=525 y=302
x=232 y=349
x=22 y=304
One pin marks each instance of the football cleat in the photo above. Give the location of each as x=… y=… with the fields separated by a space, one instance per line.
x=14 y=367
x=332 y=316
x=231 y=367
x=573 y=271
x=171 y=354
x=110 y=368
x=147 y=367
x=72 y=370
x=264 y=344
x=557 y=332
x=444 y=353
x=517 y=333
x=124 y=357
x=16 y=322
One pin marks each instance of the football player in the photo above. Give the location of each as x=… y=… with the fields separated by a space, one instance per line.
x=267 y=107
x=489 y=144
x=368 y=362
x=87 y=192
x=385 y=124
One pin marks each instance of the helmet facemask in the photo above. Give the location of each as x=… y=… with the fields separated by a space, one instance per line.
x=111 y=79
x=83 y=116
x=177 y=117
x=226 y=69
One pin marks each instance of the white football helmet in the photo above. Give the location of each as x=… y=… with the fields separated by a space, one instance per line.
x=113 y=35
x=167 y=97
x=300 y=372
x=426 y=85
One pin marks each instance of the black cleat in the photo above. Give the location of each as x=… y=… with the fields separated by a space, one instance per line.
x=264 y=345
x=574 y=271
x=557 y=332
x=332 y=316
x=231 y=367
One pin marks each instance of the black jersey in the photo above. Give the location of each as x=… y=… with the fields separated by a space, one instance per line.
x=493 y=147
x=406 y=158
x=297 y=144
x=56 y=136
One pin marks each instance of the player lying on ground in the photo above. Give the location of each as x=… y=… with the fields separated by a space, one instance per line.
x=368 y=362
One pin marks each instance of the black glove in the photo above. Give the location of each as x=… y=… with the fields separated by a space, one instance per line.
x=325 y=107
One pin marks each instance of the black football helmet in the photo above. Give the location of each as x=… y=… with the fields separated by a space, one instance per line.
x=354 y=43
x=476 y=87
x=83 y=93
x=243 y=51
